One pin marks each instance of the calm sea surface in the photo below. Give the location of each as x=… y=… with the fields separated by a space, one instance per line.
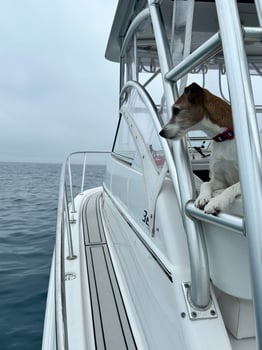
x=28 y=204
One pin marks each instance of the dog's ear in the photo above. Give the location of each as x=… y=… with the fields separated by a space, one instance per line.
x=194 y=93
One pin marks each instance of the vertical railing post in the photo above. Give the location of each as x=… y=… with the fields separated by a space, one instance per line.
x=247 y=141
x=83 y=174
x=200 y=285
x=71 y=185
x=71 y=255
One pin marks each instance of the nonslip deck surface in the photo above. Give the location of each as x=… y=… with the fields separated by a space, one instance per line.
x=111 y=326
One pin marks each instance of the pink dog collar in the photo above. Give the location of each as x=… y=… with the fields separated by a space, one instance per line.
x=228 y=134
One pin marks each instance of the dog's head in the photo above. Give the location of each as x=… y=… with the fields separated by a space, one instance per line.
x=187 y=113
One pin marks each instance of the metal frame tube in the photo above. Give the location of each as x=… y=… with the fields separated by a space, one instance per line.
x=252 y=33
x=200 y=285
x=259 y=11
x=152 y=78
x=226 y=221
x=247 y=140
x=60 y=311
x=210 y=48
x=71 y=185
x=130 y=32
x=71 y=255
x=121 y=73
x=83 y=174
x=164 y=55
x=132 y=28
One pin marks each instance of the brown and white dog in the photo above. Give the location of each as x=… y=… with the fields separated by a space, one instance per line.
x=198 y=109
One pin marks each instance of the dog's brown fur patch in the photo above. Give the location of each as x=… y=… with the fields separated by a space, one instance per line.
x=218 y=111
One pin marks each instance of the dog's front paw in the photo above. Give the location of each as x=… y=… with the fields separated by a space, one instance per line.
x=201 y=201
x=215 y=206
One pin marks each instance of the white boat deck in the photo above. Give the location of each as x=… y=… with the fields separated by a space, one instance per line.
x=111 y=326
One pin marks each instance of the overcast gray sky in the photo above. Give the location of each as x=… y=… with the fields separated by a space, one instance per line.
x=58 y=94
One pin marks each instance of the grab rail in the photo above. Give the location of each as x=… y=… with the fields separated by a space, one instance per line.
x=63 y=227
x=227 y=221
x=208 y=49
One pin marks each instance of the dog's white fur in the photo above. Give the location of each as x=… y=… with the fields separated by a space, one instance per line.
x=198 y=109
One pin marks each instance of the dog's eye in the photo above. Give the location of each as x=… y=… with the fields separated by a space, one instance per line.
x=175 y=110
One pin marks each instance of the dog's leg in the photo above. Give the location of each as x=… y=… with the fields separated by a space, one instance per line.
x=223 y=200
x=206 y=190
x=204 y=195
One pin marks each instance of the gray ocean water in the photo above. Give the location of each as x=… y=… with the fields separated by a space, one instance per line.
x=28 y=205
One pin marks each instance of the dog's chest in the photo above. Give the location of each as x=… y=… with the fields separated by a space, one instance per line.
x=223 y=161
x=224 y=150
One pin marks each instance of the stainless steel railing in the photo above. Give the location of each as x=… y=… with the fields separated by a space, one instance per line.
x=247 y=141
x=65 y=212
x=200 y=285
x=207 y=50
